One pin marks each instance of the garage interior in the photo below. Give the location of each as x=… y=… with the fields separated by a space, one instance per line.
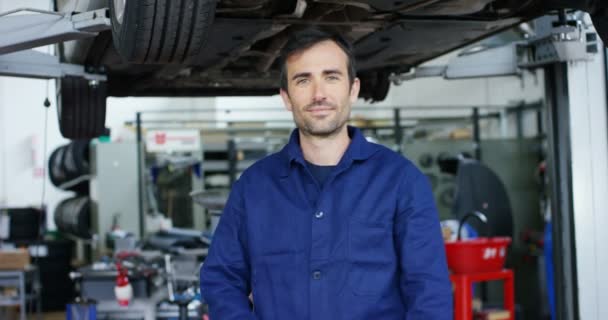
x=511 y=131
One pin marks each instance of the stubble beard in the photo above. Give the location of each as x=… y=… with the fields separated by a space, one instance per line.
x=322 y=128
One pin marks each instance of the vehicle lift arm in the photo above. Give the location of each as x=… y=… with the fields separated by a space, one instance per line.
x=26 y=28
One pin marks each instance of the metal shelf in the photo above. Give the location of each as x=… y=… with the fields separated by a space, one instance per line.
x=19 y=279
x=6 y=302
x=241 y=146
x=222 y=165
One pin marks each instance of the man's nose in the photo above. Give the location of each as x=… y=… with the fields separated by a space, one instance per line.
x=319 y=91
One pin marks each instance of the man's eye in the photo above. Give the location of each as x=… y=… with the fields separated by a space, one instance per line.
x=333 y=78
x=301 y=81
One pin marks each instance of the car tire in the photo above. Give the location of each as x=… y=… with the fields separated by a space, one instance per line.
x=375 y=86
x=73 y=216
x=161 y=31
x=69 y=162
x=81 y=107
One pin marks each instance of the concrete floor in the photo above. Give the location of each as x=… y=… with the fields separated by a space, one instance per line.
x=53 y=316
x=14 y=315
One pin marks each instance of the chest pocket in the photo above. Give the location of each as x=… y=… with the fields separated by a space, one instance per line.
x=372 y=258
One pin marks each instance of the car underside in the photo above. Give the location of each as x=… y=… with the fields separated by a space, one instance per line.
x=243 y=40
x=231 y=47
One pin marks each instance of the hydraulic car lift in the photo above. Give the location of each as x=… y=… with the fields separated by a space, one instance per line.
x=576 y=98
x=27 y=28
x=550 y=45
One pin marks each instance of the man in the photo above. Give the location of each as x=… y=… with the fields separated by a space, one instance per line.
x=332 y=227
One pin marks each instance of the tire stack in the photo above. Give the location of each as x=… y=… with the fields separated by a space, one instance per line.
x=69 y=169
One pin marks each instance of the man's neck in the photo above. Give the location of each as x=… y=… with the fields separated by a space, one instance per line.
x=325 y=151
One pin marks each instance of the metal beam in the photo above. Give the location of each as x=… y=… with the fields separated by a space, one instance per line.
x=40 y=28
x=39 y=65
x=140 y=175
x=559 y=159
x=476 y=134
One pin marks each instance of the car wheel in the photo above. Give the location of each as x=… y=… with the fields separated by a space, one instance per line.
x=73 y=216
x=161 y=31
x=81 y=107
x=375 y=86
x=70 y=162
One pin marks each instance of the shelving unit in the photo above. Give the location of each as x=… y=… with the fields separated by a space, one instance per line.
x=20 y=279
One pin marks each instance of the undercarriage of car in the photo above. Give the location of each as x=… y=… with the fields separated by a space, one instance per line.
x=209 y=48
x=231 y=47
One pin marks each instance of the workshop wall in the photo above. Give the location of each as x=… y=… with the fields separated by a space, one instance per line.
x=22 y=156
x=22 y=134
x=22 y=117
x=423 y=92
x=492 y=92
x=22 y=121
x=121 y=110
x=274 y=109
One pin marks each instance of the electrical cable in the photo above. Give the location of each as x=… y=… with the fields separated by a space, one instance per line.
x=43 y=210
x=47 y=104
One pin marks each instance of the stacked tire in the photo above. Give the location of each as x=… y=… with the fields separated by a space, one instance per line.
x=69 y=169
x=69 y=165
x=73 y=216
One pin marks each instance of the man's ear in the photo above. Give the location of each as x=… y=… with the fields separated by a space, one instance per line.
x=354 y=90
x=286 y=99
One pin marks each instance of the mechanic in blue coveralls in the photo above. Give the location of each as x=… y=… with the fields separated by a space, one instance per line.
x=332 y=226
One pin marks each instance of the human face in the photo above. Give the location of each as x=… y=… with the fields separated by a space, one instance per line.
x=319 y=93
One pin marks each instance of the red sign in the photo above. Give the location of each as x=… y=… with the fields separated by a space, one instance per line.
x=160 y=138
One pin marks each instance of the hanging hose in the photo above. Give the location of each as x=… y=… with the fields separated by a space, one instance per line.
x=475 y=214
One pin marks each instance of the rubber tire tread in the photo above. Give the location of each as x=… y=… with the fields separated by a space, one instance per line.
x=163 y=31
x=170 y=31
x=73 y=216
x=81 y=108
x=76 y=154
x=59 y=173
x=55 y=167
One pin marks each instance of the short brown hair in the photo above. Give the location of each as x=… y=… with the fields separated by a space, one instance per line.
x=309 y=37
